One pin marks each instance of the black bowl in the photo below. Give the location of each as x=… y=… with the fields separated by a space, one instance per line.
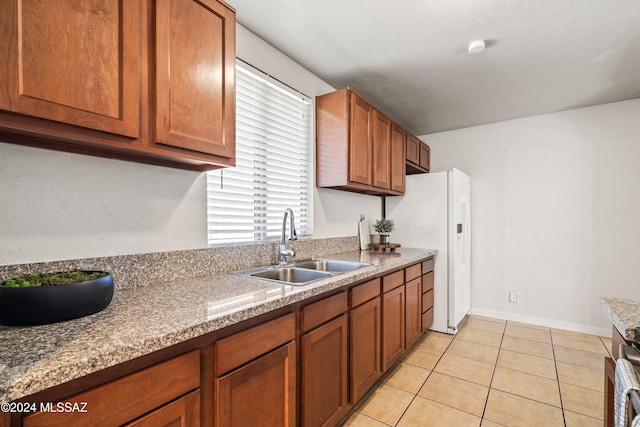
x=50 y=304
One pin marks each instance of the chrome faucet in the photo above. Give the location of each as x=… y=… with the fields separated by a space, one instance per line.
x=284 y=254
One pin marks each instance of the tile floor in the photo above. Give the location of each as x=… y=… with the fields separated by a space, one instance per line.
x=492 y=373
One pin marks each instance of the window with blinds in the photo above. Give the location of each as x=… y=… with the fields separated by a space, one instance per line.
x=272 y=173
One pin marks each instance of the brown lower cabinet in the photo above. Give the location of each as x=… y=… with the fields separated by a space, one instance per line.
x=261 y=384
x=393 y=321
x=261 y=390
x=324 y=369
x=364 y=341
x=305 y=364
x=413 y=311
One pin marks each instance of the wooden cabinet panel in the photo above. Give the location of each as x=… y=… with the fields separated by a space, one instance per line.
x=127 y=398
x=364 y=347
x=428 y=265
x=413 y=311
x=364 y=292
x=393 y=326
x=427 y=319
x=393 y=280
x=360 y=147
x=324 y=374
x=262 y=392
x=76 y=63
x=425 y=157
x=413 y=149
x=195 y=87
x=184 y=412
x=413 y=272
x=237 y=349
x=381 y=149
x=319 y=312
x=427 y=281
x=427 y=300
x=398 y=158
x=609 y=391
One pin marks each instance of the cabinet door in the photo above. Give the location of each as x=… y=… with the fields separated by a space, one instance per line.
x=413 y=311
x=381 y=150
x=413 y=149
x=73 y=62
x=195 y=76
x=324 y=374
x=184 y=412
x=425 y=156
x=398 y=157
x=364 y=348
x=392 y=326
x=360 y=153
x=261 y=393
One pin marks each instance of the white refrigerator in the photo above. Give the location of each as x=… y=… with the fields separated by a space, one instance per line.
x=435 y=213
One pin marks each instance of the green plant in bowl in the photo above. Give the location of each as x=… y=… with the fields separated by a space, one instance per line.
x=384 y=226
x=41 y=298
x=53 y=279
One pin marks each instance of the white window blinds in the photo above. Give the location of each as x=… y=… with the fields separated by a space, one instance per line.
x=273 y=139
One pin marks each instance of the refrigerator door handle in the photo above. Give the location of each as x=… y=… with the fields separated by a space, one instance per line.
x=463 y=233
x=467 y=232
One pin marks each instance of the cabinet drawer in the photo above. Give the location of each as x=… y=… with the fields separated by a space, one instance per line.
x=392 y=281
x=319 y=312
x=427 y=319
x=427 y=300
x=182 y=412
x=428 y=265
x=236 y=350
x=413 y=272
x=129 y=397
x=364 y=292
x=427 y=282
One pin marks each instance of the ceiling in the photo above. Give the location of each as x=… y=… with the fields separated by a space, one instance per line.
x=409 y=57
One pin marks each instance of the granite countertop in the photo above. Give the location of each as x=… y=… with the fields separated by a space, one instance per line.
x=624 y=314
x=144 y=319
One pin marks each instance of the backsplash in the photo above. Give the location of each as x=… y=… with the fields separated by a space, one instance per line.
x=144 y=269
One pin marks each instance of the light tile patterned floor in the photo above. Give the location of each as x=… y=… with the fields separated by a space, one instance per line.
x=492 y=373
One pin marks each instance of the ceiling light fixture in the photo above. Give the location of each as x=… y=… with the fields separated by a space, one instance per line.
x=476 y=46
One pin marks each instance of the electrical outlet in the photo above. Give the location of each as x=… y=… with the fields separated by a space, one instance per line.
x=513 y=296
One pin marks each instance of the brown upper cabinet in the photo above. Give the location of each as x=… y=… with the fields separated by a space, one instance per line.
x=357 y=146
x=398 y=145
x=148 y=81
x=418 y=156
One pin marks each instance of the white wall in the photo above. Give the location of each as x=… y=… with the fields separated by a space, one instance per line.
x=56 y=206
x=556 y=212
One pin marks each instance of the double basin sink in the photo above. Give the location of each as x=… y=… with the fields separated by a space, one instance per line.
x=302 y=272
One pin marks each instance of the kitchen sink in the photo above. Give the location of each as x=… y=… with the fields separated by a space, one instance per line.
x=291 y=275
x=301 y=272
x=330 y=265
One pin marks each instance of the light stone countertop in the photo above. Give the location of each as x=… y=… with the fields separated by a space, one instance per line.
x=624 y=314
x=143 y=319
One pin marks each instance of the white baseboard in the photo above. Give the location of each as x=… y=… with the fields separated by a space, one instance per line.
x=568 y=326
